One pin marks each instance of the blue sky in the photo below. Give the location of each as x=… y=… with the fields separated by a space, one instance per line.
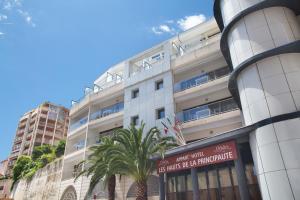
x=50 y=50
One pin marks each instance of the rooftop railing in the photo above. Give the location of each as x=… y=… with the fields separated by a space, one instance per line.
x=183 y=48
x=208 y=110
x=147 y=63
x=112 y=80
x=201 y=79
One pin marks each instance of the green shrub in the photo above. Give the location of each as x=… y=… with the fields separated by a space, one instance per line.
x=41 y=150
x=27 y=166
x=60 y=149
x=20 y=167
x=45 y=159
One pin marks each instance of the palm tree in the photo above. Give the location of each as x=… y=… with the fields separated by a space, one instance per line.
x=101 y=166
x=134 y=152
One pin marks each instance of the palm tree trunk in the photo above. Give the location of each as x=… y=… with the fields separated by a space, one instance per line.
x=111 y=187
x=141 y=190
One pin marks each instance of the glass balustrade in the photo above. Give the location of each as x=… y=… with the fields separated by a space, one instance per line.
x=201 y=79
x=107 y=111
x=78 y=123
x=108 y=83
x=207 y=110
x=184 y=48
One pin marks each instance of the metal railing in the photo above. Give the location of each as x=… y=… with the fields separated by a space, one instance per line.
x=78 y=123
x=182 y=49
x=99 y=88
x=207 y=110
x=107 y=111
x=201 y=79
x=147 y=63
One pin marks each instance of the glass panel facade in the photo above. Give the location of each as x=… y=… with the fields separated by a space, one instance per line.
x=201 y=79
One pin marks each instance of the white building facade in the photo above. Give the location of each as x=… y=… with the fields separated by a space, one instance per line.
x=242 y=97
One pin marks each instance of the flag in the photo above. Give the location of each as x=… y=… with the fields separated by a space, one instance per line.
x=166 y=129
x=177 y=125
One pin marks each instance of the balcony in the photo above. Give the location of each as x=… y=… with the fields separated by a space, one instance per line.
x=201 y=79
x=147 y=63
x=14 y=154
x=78 y=124
x=75 y=145
x=209 y=120
x=208 y=110
x=104 y=88
x=193 y=45
x=203 y=50
x=18 y=140
x=27 y=144
x=107 y=111
x=20 y=132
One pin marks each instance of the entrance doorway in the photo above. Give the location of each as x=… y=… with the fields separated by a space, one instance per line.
x=216 y=182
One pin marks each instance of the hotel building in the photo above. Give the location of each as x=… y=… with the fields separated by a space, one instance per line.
x=232 y=81
x=46 y=124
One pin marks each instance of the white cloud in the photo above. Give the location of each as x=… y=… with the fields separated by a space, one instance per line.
x=156 y=31
x=1 y=33
x=7 y=5
x=163 y=29
x=190 y=21
x=27 y=17
x=170 y=21
x=173 y=26
x=3 y=17
x=10 y=4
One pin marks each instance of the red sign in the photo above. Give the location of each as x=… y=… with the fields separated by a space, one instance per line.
x=210 y=155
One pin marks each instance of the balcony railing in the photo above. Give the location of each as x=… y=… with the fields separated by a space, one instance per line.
x=112 y=80
x=18 y=139
x=207 y=110
x=107 y=111
x=78 y=123
x=182 y=49
x=201 y=79
x=147 y=63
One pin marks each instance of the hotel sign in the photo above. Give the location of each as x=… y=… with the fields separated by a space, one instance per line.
x=210 y=155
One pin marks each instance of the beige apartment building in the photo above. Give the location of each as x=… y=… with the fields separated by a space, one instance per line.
x=46 y=124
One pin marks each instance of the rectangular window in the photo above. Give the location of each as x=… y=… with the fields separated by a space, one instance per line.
x=135 y=93
x=160 y=113
x=159 y=84
x=135 y=120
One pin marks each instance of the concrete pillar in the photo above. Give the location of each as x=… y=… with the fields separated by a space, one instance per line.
x=241 y=176
x=267 y=88
x=196 y=191
x=162 y=187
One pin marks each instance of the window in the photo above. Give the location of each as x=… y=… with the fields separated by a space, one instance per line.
x=160 y=113
x=135 y=93
x=159 y=84
x=135 y=120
